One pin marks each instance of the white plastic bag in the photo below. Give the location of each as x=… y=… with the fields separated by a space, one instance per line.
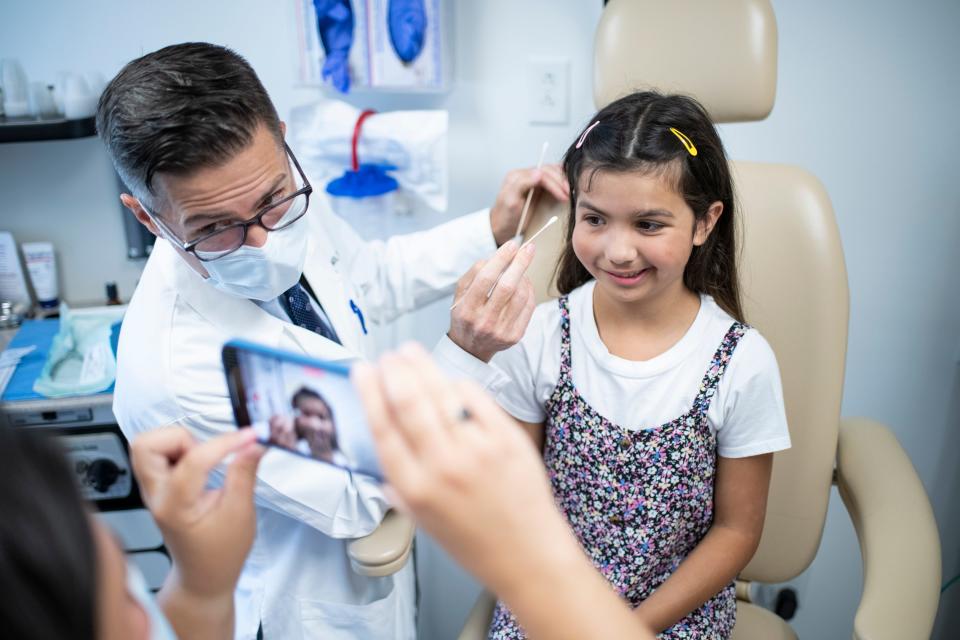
x=415 y=142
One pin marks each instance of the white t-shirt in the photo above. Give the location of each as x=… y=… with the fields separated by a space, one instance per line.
x=746 y=413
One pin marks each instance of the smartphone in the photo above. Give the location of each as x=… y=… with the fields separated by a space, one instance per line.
x=305 y=406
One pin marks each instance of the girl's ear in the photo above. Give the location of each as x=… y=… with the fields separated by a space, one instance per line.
x=705 y=224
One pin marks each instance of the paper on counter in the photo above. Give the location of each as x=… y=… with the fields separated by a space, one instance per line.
x=9 y=360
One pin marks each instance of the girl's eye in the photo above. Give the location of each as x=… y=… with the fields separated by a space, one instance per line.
x=593 y=221
x=647 y=225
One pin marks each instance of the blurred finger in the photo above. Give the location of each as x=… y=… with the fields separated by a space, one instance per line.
x=527 y=179
x=484 y=411
x=467 y=279
x=476 y=294
x=190 y=475
x=394 y=452
x=410 y=403
x=436 y=385
x=519 y=311
x=153 y=453
x=555 y=182
x=241 y=478
x=395 y=499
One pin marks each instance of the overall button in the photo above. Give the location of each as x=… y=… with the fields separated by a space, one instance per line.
x=625 y=442
x=616 y=520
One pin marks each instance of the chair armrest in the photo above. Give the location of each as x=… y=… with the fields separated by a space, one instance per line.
x=478 y=622
x=385 y=551
x=895 y=525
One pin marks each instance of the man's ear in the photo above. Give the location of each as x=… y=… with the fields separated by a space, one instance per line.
x=283 y=129
x=144 y=218
x=706 y=225
x=140 y=213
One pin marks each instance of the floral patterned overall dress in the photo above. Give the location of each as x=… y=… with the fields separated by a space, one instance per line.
x=638 y=501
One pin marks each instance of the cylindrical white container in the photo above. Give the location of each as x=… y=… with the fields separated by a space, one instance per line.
x=42 y=103
x=78 y=102
x=371 y=217
x=16 y=91
x=42 y=267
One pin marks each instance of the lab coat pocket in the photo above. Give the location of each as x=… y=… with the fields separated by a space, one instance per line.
x=343 y=621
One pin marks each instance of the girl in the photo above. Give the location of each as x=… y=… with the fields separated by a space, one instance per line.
x=657 y=408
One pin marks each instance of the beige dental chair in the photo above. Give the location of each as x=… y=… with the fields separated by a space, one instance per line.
x=795 y=292
x=386 y=550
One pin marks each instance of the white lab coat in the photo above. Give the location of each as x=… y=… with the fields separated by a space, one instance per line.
x=297 y=580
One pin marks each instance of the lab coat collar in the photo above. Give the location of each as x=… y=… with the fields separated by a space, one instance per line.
x=237 y=317
x=321 y=270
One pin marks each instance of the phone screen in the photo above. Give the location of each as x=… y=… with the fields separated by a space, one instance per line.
x=305 y=406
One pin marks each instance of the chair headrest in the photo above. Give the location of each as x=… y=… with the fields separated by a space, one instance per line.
x=722 y=53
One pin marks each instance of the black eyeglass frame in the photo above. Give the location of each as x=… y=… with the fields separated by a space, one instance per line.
x=191 y=247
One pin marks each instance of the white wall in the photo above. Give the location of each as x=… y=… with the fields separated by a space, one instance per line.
x=866 y=99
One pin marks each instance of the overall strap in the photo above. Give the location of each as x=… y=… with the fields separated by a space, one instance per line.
x=711 y=379
x=565 y=360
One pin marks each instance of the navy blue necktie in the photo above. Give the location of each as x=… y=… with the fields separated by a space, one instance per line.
x=302 y=314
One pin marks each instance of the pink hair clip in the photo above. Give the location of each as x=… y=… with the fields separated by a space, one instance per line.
x=584 y=136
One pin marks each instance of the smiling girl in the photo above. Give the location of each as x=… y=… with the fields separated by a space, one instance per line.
x=657 y=408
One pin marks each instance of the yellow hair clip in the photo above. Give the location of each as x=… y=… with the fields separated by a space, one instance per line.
x=687 y=144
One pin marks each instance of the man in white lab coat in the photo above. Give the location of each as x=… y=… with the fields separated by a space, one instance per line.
x=246 y=249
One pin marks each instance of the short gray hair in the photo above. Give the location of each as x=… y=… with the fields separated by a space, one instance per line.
x=179 y=109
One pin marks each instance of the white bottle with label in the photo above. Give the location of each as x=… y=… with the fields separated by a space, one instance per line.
x=13 y=285
x=42 y=267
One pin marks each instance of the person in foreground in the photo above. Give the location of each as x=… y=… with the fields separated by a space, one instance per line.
x=64 y=574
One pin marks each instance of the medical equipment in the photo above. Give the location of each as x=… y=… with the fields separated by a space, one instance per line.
x=545 y=226
x=526 y=203
x=796 y=293
x=264 y=272
x=334 y=23
x=362 y=180
x=392 y=45
x=81 y=358
x=407 y=20
x=414 y=143
x=306 y=406
x=87 y=430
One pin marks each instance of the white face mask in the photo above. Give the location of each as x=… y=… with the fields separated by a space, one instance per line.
x=263 y=273
x=137 y=587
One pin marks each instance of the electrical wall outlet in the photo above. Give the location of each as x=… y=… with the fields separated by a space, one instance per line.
x=548 y=82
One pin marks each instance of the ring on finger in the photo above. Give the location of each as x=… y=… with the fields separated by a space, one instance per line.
x=460 y=415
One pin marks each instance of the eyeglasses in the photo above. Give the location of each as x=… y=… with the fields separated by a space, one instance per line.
x=227 y=239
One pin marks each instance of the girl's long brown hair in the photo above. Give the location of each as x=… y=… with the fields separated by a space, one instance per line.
x=633 y=134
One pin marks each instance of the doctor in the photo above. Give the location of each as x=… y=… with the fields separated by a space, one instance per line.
x=247 y=247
